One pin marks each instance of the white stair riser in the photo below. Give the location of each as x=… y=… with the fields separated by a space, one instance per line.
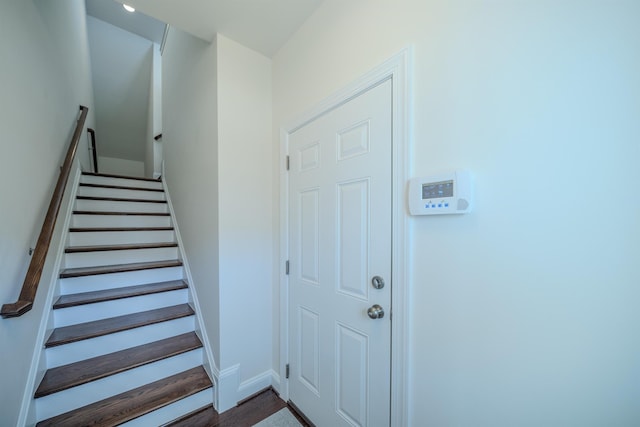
x=75 y=397
x=74 y=285
x=120 y=193
x=85 y=349
x=93 y=221
x=169 y=413
x=90 y=179
x=67 y=400
x=103 y=310
x=92 y=238
x=94 y=259
x=113 y=206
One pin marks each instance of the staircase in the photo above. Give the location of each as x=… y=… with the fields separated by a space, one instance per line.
x=124 y=347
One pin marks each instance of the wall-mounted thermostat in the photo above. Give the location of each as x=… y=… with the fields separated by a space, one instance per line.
x=448 y=193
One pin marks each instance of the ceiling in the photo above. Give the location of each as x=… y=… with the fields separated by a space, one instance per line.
x=261 y=25
x=137 y=23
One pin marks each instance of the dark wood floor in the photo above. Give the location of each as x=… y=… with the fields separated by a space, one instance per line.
x=246 y=414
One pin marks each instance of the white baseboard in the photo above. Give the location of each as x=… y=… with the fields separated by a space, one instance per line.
x=275 y=381
x=209 y=363
x=230 y=391
x=254 y=385
x=27 y=415
x=227 y=388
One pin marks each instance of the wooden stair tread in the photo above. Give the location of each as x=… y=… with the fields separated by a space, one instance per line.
x=116 y=229
x=109 y=175
x=135 y=403
x=84 y=371
x=97 y=328
x=119 y=199
x=119 y=268
x=203 y=417
x=121 y=247
x=121 y=213
x=121 y=187
x=83 y=298
x=248 y=412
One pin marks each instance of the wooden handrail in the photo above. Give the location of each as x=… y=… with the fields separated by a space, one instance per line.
x=32 y=279
x=93 y=149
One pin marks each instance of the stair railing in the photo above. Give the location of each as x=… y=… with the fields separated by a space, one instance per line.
x=94 y=152
x=32 y=278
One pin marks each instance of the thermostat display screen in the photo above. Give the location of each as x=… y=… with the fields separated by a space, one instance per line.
x=436 y=190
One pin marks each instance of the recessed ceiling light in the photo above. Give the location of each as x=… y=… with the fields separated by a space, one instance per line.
x=128 y=8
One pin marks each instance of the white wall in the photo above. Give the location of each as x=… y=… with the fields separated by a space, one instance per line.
x=156 y=116
x=148 y=142
x=217 y=145
x=122 y=67
x=524 y=312
x=116 y=166
x=45 y=76
x=190 y=139
x=153 y=148
x=245 y=213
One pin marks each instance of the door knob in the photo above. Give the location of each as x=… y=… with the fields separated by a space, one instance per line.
x=375 y=312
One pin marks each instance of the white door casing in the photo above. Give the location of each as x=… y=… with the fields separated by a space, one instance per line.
x=397 y=70
x=340 y=238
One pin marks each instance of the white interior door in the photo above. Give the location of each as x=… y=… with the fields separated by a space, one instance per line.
x=340 y=205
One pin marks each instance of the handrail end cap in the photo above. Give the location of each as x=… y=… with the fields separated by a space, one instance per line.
x=15 y=309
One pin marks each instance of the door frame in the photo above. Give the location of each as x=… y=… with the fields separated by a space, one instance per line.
x=398 y=69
